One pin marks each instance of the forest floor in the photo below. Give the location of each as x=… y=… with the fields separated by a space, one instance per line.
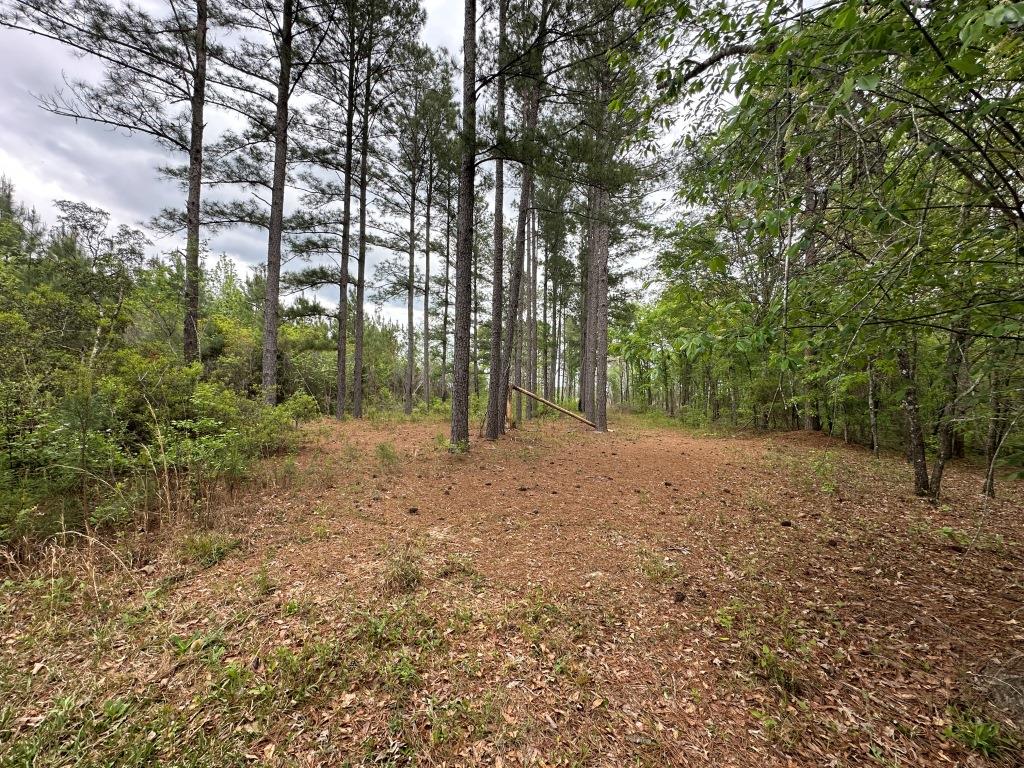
x=647 y=597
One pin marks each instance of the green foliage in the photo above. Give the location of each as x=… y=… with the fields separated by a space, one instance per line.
x=855 y=198
x=387 y=457
x=978 y=733
x=101 y=423
x=207 y=548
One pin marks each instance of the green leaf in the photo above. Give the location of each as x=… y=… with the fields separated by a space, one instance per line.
x=967 y=65
x=868 y=82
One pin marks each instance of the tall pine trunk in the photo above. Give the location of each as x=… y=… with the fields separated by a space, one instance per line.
x=447 y=285
x=516 y=277
x=531 y=349
x=495 y=405
x=464 y=237
x=195 y=184
x=410 y=354
x=358 y=329
x=600 y=326
x=276 y=227
x=426 y=288
x=346 y=240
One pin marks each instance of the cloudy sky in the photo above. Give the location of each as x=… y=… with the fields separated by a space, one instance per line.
x=52 y=158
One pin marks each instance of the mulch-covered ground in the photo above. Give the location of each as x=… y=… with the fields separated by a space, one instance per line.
x=645 y=597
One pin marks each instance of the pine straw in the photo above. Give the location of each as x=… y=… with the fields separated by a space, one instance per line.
x=645 y=597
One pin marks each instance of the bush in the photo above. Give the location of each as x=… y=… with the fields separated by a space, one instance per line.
x=146 y=435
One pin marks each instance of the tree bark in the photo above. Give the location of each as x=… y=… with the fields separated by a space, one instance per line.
x=276 y=228
x=911 y=408
x=947 y=418
x=516 y=278
x=531 y=350
x=447 y=282
x=873 y=406
x=195 y=184
x=426 y=288
x=588 y=326
x=464 y=237
x=495 y=418
x=346 y=240
x=358 y=320
x=997 y=426
x=600 y=326
x=410 y=353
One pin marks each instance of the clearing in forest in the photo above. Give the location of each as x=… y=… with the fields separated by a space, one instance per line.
x=645 y=597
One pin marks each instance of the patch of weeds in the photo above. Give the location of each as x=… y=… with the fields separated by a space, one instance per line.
x=207 y=548
x=462 y=618
x=462 y=720
x=978 y=733
x=550 y=628
x=394 y=626
x=296 y=608
x=824 y=469
x=399 y=673
x=961 y=540
x=460 y=448
x=756 y=501
x=296 y=676
x=460 y=567
x=208 y=646
x=286 y=471
x=769 y=724
x=403 y=572
x=725 y=617
x=126 y=732
x=265 y=585
x=656 y=568
x=387 y=457
x=320 y=532
x=769 y=666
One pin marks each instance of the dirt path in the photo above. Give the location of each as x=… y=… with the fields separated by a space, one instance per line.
x=557 y=598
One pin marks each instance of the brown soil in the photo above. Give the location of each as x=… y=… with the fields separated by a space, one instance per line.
x=644 y=597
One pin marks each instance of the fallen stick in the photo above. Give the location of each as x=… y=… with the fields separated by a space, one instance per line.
x=548 y=403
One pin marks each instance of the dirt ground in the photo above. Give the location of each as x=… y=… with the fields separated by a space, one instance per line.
x=646 y=597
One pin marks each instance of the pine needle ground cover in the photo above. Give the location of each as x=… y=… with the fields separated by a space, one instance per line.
x=649 y=597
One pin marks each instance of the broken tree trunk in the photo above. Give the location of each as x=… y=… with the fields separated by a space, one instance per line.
x=550 y=404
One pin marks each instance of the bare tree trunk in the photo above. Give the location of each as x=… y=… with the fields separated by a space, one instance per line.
x=532 y=351
x=346 y=240
x=997 y=427
x=410 y=296
x=276 y=228
x=495 y=405
x=600 y=410
x=915 y=435
x=589 y=326
x=195 y=185
x=546 y=343
x=517 y=362
x=873 y=406
x=476 y=323
x=955 y=355
x=447 y=283
x=426 y=289
x=464 y=237
x=530 y=109
x=358 y=330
